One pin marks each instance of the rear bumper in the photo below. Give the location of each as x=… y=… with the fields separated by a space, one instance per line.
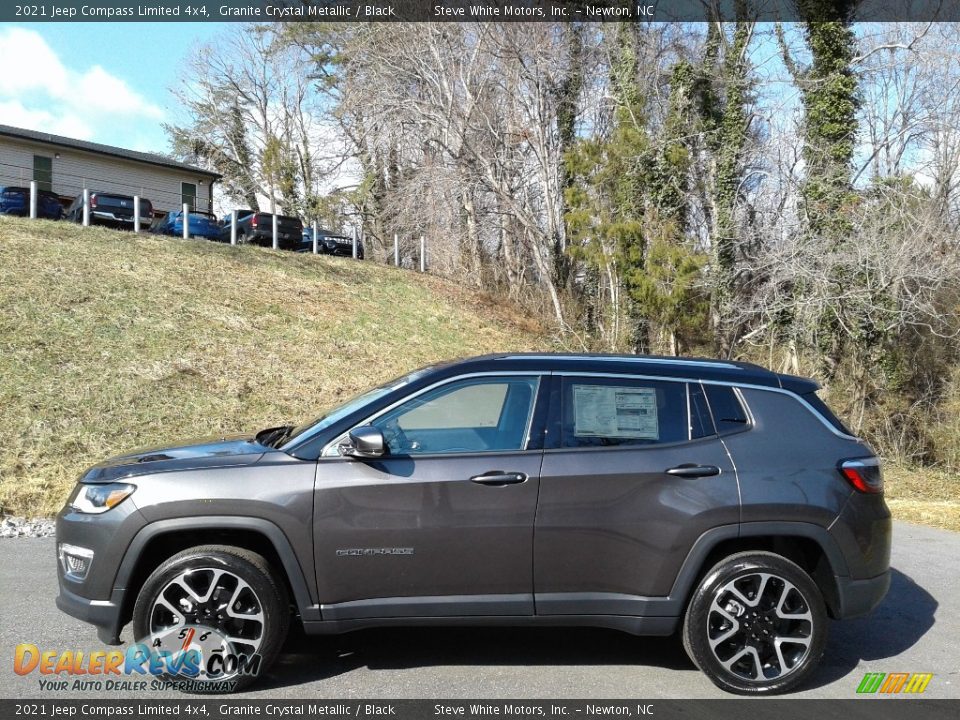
x=103 y=614
x=859 y=597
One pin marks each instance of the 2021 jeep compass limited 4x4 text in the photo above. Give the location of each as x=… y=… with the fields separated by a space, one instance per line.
x=644 y=494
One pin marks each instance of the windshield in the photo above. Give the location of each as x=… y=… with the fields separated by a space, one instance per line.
x=334 y=415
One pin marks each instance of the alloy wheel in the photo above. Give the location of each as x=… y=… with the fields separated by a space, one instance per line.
x=759 y=627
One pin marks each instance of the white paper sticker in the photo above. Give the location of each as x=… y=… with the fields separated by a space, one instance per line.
x=615 y=412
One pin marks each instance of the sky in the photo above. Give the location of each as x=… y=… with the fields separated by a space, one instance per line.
x=103 y=82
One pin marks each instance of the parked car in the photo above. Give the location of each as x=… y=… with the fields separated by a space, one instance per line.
x=643 y=494
x=330 y=243
x=199 y=224
x=257 y=228
x=111 y=209
x=16 y=201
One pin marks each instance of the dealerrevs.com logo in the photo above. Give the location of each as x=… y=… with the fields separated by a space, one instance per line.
x=200 y=659
x=894 y=683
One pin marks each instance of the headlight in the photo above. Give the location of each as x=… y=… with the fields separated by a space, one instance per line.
x=100 y=498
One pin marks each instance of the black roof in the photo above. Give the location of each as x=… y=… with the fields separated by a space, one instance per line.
x=655 y=365
x=59 y=140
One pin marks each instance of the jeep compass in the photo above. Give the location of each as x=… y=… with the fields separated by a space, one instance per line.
x=650 y=495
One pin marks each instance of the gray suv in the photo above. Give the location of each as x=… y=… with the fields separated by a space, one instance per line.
x=644 y=494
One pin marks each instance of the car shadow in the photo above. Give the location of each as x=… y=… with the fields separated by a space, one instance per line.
x=312 y=658
x=906 y=614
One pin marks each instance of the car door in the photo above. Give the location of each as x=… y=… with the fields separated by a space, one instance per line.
x=633 y=473
x=442 y=525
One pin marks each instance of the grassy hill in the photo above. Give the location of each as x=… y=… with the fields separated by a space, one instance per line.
x=109 y=341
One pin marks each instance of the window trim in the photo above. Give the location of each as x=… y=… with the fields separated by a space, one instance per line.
x=541 y=385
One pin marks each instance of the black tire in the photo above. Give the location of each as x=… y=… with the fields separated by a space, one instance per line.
x=269 y=597
x=241 y=238
x=731 y=634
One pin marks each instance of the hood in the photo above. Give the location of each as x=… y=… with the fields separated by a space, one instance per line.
x=234 y=450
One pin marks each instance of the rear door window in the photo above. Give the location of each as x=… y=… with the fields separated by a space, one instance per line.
x=599 y=412
x=728 y=413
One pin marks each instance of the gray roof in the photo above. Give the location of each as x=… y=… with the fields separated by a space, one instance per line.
x=149 y=158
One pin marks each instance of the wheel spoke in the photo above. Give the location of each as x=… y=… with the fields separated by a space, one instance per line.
x=758 y=672
x=805 y=615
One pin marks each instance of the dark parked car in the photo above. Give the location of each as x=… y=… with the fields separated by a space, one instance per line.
x=16 y=201
x=330 y=243
x=112 y=210
x=199 y=224
x=257 y=228
x=643 y=494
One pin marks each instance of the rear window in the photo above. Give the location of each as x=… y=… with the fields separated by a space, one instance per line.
x=728 y=413
x=117 y=201
x=621 y=411
x=821 y=407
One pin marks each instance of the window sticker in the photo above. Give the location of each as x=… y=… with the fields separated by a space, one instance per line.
x=615 y=412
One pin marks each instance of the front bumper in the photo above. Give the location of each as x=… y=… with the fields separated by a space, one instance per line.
x=859 y=597
x=94 y=598
x=105 y=615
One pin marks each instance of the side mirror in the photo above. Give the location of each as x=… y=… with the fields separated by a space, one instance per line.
x=364 y=442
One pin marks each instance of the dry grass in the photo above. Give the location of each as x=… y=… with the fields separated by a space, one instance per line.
x=110 y=342
x=923 y=495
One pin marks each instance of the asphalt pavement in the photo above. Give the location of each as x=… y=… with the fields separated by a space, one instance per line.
x=916 y=629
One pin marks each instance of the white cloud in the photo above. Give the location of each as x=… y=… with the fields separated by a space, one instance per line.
x=39 y=91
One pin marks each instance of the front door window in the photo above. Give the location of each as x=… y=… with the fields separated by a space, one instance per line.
x=482 y=414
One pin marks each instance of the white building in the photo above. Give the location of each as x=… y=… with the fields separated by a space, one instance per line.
x=67 y=166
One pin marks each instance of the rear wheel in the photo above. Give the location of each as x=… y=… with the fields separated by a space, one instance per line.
x=756 y=624
x=222 y=602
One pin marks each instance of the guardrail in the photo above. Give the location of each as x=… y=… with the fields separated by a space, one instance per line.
x=186 y=209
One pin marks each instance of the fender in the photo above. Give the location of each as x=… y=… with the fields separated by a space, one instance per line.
x=701 y=549
x=305 y=600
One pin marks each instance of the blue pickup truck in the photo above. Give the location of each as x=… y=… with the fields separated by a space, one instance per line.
x=16 y=201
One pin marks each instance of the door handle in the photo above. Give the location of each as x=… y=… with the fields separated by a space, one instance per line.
x=692 y=470
x=499 y=478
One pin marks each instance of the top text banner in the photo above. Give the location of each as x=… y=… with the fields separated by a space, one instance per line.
x=476 y=11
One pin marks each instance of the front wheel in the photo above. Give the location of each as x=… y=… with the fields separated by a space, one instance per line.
x=756 y=624
x=218 y=613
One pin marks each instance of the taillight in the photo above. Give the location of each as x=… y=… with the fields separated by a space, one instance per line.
x=93 y=200
x=253 y=222
x=863 y=473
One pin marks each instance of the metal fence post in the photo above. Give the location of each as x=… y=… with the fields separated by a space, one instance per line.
x=33 y=199
x=315 y=233
x=86 y=207
x=186 y=221
x=396 y=251
x=276 y=237
x=354 y=250
x=233 y=227
x=136 y=213
x=423 y=254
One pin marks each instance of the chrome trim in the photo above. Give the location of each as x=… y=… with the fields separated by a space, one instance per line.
x=540 y=374
x=628 y=359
